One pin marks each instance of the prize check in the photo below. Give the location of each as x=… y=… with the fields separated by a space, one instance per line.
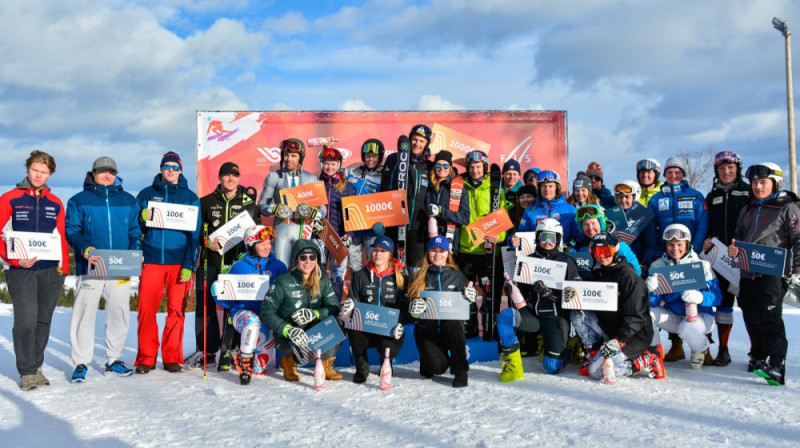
x=373 y=319
x=444 y=305
x=721 y=262
x=312 y=194
x=492 y=224
x=761 y=259
x=232 y=233
x=595 y=296
x=323 y=336
x=25 y=245
x=527 y=243
x=164 y=215
x=363 y=212
x=249 y=287
x=530 y=269
x=332 y=241
x=116 y=263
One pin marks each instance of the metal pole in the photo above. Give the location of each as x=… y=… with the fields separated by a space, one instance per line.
x=790 y=109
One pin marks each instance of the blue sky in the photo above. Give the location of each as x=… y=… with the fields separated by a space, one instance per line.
x=84 y=78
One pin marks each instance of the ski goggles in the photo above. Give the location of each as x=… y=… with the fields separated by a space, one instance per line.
x=676 y=234
x=330 y=154
x=291 y=145
x=588 y=212
x=601 y=251
x=477 y=156
x=371 y=148
x=171 y=167
x=549 y=176
x=442 y=166
x=726 y=157
x=647 y=165
x=265 y=234
x=623 y=189
x=756 y=171
x=545 y=237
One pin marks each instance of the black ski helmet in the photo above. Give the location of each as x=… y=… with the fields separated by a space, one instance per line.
x=424 y=131
x=372 y=145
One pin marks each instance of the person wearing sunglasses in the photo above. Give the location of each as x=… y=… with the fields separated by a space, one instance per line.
x=627 y=194
x=170 y=258
x=437 y=199
x=102 y=216
x=689 y=314
x=336 y=187
x=531 y=176
x=441 y=344
x=381 y=282
x=647 y=173
x=228 y=200
x=543 y=312
x=295 y=302
x=624 y=335
x=727 y=198
x=678 y=203
x=582 y=191
x=417 y=184
x=366 y=179
x=595 y=173
x=593 y=221
x=258 y=260
x=770 y=218
x=288 y=223
x=551 y=204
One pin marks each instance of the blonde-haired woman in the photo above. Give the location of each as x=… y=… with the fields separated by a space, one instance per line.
x=441 y=343
x=297 y=301
x=380 y=283
x=437 y=198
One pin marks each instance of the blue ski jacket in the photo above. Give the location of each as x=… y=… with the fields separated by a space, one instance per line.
x=557 y=208
x=679 y=203
x=712 y=295
x=253 y=264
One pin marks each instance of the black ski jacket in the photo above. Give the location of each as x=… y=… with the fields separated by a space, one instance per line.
x=724 y=203
x=215 y=211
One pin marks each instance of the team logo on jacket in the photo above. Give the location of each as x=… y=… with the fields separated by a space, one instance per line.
x=684 y=204
x=451 y=286
x=297 y=295
x=298 y=304
x=663 y=204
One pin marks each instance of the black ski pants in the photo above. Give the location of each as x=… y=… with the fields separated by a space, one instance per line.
x=441 y=344
x=761 y=301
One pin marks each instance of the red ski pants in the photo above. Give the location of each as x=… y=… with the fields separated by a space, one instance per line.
x=156 y=278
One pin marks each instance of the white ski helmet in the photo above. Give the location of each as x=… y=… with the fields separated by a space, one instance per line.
x=766 y=169
x=677 y=232
x=257 y=233
x=551 y=225
x=634 y=187
x=676 y=162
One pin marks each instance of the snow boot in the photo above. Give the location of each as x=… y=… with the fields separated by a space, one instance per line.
x=675 y=352
x=330 y=374
x=774 y=372
x=173 y=367
x=41 y=379
x=512 y=364
x=362 y=370
x=460 y=380
x=143 y=369
x=79 y=374
x=723 y=357
x=697 y=360
x=28 y=382
x=289 y=368
x=246 y=365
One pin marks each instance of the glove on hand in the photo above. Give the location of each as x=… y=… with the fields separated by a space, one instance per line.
x=303 y=316
x=610 y=348
x=186 y=275
x=145 y=214
x=692 y=296
x=316 y=227
x=543 y=291
x=216 y=288
x=470 y=293
x=347 y=306
x=434 y=210
x=417 y=307
x=794 y=279
x=652 y=283
x=347 y=240
x=570 y=294
x=398 y=331
x=296 y=335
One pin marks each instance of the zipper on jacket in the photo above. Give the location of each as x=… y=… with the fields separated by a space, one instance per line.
x=166 y=199
x=37 y=210
x=108 y=215
x=755 y=229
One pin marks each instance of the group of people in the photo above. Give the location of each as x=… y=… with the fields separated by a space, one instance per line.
x=307 y=284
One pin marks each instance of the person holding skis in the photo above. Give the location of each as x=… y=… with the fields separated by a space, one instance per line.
x=380 y=283
x=34 y=285
x=102 y=216
x=441 y=343
x=770 y=218
x=226 y=202
x=295 y=302
x=441 y=197
x=366 y=179
x=729 y=195
x=336 y=187
x=259 y=260
x=689 y=314
x=170 y=258
x=291 y=174
x=623 y=336
x=595 y=173
x=647 y=173
x=541 y=311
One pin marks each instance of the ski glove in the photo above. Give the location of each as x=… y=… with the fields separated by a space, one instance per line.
x=610 y=348
x=543 y=291
x=398 y=331
x=570 y=294
x=470 y=293
x=317 y=227
x=296 y=335
x=692 y=296
x=347 y=306
x=434 y=210
x=304 y=316
x=216 y=288
x=652 y=283
x=145 y=214
x=186 y=275
x=794 y=279
x=417 y=307
x=280 y=211
x=347 y=240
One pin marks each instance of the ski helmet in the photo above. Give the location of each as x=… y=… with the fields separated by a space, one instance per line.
x=293 y=145
x=728 y=157
x=627 y=187
x=553 y=226
x=549 y=176
x=258 y=233
x=591 y=211
x=649 y=164
x=330 y=154
x=678 y=232
x=676 y=162
x=766 y=169
x=373 y=146
x=478 y=156
x=423 y=131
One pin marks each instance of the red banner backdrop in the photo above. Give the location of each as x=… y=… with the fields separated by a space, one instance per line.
x=251 y=139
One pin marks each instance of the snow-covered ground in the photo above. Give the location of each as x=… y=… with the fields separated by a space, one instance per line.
x=717 y=406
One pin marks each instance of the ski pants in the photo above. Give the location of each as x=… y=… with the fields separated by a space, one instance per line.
x=248 y=324
x=761 y=301
x=335 y=272
x=587 y=326
x=34 y=294
x=725 y=308
x=694 y=333
x=360 y=246
x=117 y=294
x=554 y=330
x=203 y=281
x=287 y=233
x=360 y=342
x=154 y=280
x=441 y=344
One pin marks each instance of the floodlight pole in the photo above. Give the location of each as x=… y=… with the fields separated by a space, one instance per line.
x=783 y=26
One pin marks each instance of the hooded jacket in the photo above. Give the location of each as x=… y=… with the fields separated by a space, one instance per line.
x=724 y=203
x=480 y=205
x=101 y=217
x=649 y=192
x=774 y=223
x=380 y=288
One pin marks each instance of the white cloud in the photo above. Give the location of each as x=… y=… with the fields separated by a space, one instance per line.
x=743 y=127
x=225 y=42
x=282 y=106
x=436 y=102
x=292 y=23
x=355 y=105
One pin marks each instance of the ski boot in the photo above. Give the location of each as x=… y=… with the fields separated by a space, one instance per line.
x=246 y=368
x=225 y=359
x=774 y=371
x=697 y=360
x=589 y=352
x=651 y=363
x=675 y=352
x=512 y=364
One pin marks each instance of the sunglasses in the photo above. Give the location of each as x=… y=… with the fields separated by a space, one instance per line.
x=596 y=178
x=623 y=189
x=171 y=167
x=602 y=251
x=588 y=212
x=371 y=148
x=548 y=237
x=307 y=257
x=442 y=166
